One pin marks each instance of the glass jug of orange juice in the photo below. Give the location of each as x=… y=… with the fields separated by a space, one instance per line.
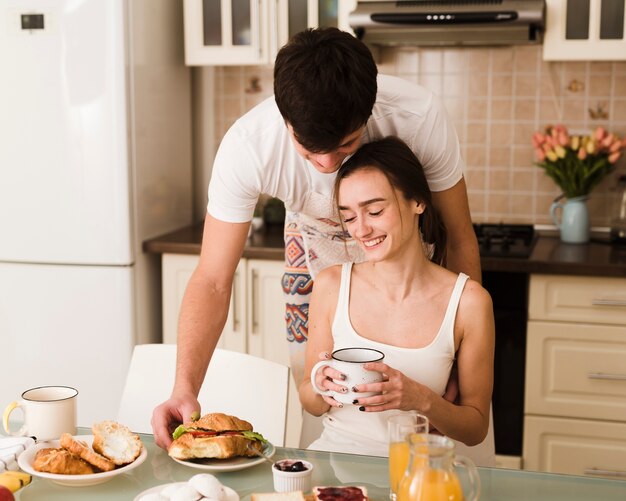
x=431 y=476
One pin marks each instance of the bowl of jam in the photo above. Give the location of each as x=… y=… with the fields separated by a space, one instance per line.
x=292 y=475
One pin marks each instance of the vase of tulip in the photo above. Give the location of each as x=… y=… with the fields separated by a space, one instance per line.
x=577 y=164
x=571 y=217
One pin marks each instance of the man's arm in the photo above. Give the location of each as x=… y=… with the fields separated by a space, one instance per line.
x=202 y=317
x=462 y=255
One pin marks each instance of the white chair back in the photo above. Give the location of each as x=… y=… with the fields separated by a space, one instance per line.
x=251 y=388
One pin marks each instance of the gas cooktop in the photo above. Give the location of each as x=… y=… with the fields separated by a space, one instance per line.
x=505 y=240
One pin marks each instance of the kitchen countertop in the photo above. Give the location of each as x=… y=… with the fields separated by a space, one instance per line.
x=549 y=255
x=265 y=244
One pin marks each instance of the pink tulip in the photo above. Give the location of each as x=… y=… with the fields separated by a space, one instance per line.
x=546 y=147
x=616 y=146
x=606 y=142
x=614 y=157
x=600 y=133
x=538 y=139
x=582 y=153
x=563 y=139
x=541 y=156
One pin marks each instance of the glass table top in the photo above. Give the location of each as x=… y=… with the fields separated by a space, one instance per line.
x=329 y=469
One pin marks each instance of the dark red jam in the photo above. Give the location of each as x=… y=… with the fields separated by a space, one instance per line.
x=343 y=493
x=290 y=466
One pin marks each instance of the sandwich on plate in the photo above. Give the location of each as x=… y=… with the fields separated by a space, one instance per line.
x=216 y=436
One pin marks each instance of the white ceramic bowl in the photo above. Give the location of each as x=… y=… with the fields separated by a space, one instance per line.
x=288 y=481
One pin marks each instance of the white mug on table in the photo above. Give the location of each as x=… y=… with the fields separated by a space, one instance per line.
x=49 y=411
x=350 y=362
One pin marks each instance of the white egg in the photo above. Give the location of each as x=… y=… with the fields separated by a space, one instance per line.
x=153 y=497
x=186 y=493
x=208 y=486
x=169 y=491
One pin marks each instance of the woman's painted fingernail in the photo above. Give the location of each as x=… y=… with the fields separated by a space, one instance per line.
x=362 y=408
x=354 y=389
x=340 y=405
x=344 y=377
x=344 y=390
x=328 y=378
x=325 y=355
x=355 y=402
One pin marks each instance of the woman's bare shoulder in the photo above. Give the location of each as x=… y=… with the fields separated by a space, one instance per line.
x=326 y=284
x=475 y=295
x=475 y=310
x=329 y=276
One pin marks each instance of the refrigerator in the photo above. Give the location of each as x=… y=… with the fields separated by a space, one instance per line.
x=95 y=158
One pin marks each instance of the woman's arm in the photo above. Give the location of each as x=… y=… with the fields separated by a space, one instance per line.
x=467 y=421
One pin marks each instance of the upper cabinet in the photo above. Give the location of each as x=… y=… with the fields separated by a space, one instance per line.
x=592 y=30
x=250 y=32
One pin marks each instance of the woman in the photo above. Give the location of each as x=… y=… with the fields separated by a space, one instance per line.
x=403 y=302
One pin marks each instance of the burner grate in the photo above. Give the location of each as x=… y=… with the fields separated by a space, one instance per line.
x=505 y=240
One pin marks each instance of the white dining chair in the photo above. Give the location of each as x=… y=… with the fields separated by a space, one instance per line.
x=249 y=387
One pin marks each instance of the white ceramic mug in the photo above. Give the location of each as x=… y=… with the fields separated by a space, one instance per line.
x=350 y=361
x=49 y=411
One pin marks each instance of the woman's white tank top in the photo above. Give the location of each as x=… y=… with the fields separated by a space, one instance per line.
x=347 y=429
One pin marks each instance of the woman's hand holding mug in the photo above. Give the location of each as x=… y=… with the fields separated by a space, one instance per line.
x=343 y=372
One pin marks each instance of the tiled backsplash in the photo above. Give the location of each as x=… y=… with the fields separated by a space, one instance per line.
x=497 y=97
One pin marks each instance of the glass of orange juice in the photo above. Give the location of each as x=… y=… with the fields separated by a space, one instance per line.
x=401 y=427
x=431 y=474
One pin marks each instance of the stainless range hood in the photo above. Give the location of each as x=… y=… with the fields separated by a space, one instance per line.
x=448 y=22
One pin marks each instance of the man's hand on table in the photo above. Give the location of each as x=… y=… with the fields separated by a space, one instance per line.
x=167 y=416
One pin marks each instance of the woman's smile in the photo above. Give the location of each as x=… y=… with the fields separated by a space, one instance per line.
x=373 y=241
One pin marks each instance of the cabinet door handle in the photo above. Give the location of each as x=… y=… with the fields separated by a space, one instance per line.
x=608 y=302
x=602 y=375
x=605 y=473
x=255 y=320
x=235 y=309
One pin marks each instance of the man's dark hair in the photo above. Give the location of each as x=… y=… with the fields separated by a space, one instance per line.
x=325 y=86
x=404 y=171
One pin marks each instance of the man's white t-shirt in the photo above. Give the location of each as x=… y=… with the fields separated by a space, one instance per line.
x=257 y=154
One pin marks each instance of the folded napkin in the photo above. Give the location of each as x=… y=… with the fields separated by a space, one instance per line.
x=10 y=449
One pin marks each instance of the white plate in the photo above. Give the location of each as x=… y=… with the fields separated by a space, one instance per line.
x=231 y=495
x=26 y=458
x=232 y=464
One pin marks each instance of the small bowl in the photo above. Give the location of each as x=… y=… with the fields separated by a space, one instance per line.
x=288 y=481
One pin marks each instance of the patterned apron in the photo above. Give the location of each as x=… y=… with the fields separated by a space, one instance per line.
x=314 y=240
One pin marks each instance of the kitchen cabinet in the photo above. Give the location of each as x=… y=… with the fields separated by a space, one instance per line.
x=575 y=399
x=587 y=447
x=591 y=30
x=250 y=32
x=256 y=316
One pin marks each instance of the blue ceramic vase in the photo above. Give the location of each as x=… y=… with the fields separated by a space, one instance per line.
x=571 y=217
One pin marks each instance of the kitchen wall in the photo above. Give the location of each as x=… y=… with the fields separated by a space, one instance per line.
x=497 y=97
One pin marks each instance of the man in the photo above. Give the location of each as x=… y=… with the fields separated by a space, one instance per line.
x=328 y=100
